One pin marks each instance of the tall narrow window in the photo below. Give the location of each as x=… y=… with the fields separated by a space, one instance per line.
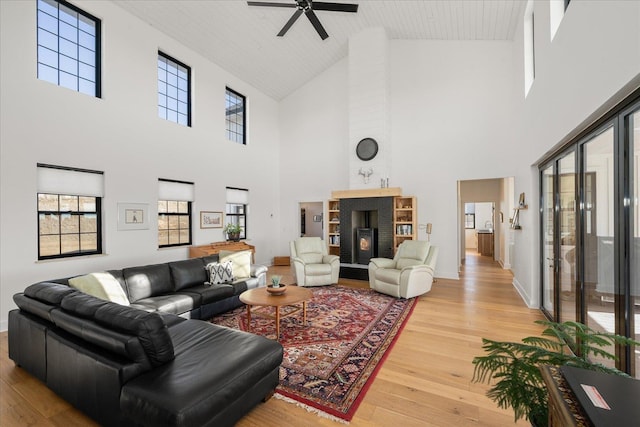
x=235 y=116
x=236 y=209
x=68 y=47
x=174 y=90
x=174 y=212
x=69 y=212
x=529 y=48
x=557 y=9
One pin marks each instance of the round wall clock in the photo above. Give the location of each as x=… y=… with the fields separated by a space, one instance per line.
x=367 y=149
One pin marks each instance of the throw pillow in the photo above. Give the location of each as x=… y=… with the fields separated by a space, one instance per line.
x=241 y=263
x=100 y=285
x=220 y=272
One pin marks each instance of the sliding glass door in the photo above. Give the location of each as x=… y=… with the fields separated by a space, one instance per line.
x=566 y=234
x=633 y=133
x=598 y=232
x=590 y=230
x=548 y=249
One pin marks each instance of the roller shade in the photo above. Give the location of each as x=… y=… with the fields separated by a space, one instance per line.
x=238 y=196
x=176 y=190
x=77 y=182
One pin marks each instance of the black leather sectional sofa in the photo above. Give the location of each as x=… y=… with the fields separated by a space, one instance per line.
x=129 y=366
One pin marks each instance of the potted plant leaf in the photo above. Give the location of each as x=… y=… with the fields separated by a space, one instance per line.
x=514 y=367
x=233 y=231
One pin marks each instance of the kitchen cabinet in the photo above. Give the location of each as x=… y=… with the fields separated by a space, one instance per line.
x=485 y=243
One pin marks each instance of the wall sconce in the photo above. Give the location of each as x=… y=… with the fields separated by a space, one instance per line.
x=427 y=228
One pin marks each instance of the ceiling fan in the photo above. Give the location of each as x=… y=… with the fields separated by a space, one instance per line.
x=308 y=7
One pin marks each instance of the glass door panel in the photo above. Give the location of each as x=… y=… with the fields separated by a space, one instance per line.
x=567 y=237
x=597 y=234
x=548 y=255
x=634 y=137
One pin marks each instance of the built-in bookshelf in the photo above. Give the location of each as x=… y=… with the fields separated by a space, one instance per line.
x=333 y=216
x=404 y=220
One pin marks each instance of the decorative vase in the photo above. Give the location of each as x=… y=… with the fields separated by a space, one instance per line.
x=234 y=237
x=276 y=291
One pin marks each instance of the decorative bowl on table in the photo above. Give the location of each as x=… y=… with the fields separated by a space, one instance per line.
x=276 y=291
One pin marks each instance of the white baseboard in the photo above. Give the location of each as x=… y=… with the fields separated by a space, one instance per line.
x=523 y=294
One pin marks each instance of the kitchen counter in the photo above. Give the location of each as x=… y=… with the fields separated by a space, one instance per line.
x=485 y=242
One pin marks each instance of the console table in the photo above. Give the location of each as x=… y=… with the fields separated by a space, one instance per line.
x=564 y=409
x=215 y=248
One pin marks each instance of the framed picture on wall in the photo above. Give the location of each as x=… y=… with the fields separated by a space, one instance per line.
x=133 y=216
x=210 y=219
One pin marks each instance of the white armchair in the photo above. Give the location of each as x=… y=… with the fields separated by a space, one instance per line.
x=408 y=274
x=311 y=264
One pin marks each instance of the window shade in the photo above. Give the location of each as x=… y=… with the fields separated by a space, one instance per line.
x=77 y=182
x=238 y=196
x=174 y=190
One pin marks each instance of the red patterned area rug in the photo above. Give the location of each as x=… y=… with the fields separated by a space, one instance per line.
x=330 y=362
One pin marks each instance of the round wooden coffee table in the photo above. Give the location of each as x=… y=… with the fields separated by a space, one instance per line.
x=259 y=297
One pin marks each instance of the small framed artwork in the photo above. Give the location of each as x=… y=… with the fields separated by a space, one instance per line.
x=210 y=219
x=133 y=216
x=317 y=218
x=521 y=201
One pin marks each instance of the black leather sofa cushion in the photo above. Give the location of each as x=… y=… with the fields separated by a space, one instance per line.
x=33 y=306
x=127 y=346
x=120 y=278
x=209 y=294
x=213 y=368
x=82 y=304
x=148 y=281
x=148 y=327
x=190 y=272
x=48 y=292
x=210 y=258
x=175 y=303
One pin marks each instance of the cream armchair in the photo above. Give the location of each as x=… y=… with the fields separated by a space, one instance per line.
x=311 y=264
x=408 y=274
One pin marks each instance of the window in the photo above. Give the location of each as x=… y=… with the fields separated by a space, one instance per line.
x=68 y=47
x=236 y=211
x=235 y=117
x=529 y=48
x=557 y=9
x=69 y=212
x=174 y=212
x=174 y=90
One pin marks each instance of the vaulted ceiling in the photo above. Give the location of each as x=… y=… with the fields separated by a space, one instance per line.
x=242 y=39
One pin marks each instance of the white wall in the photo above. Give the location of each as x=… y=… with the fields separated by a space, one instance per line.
x=121 y=135
x=594 y=54
x=449 y=104
x=314 y=132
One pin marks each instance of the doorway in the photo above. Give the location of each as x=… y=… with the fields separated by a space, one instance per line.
x=479 y=223
x=311 y=219
x=483 y=208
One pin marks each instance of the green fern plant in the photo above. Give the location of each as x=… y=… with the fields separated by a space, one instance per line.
x=514 y=367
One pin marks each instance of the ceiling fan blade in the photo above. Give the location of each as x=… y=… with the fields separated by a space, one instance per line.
x=335 y=7
x=290 y=22
x=316 y=24
x=271 y=4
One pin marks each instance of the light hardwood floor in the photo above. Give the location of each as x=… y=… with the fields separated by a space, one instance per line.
x=425 y=381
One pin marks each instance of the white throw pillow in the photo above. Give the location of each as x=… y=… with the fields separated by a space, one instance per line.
x=100 y=285
x=220 y=272
x=241 y=263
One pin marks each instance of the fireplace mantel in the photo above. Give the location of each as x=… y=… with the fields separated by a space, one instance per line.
x=367 y=192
